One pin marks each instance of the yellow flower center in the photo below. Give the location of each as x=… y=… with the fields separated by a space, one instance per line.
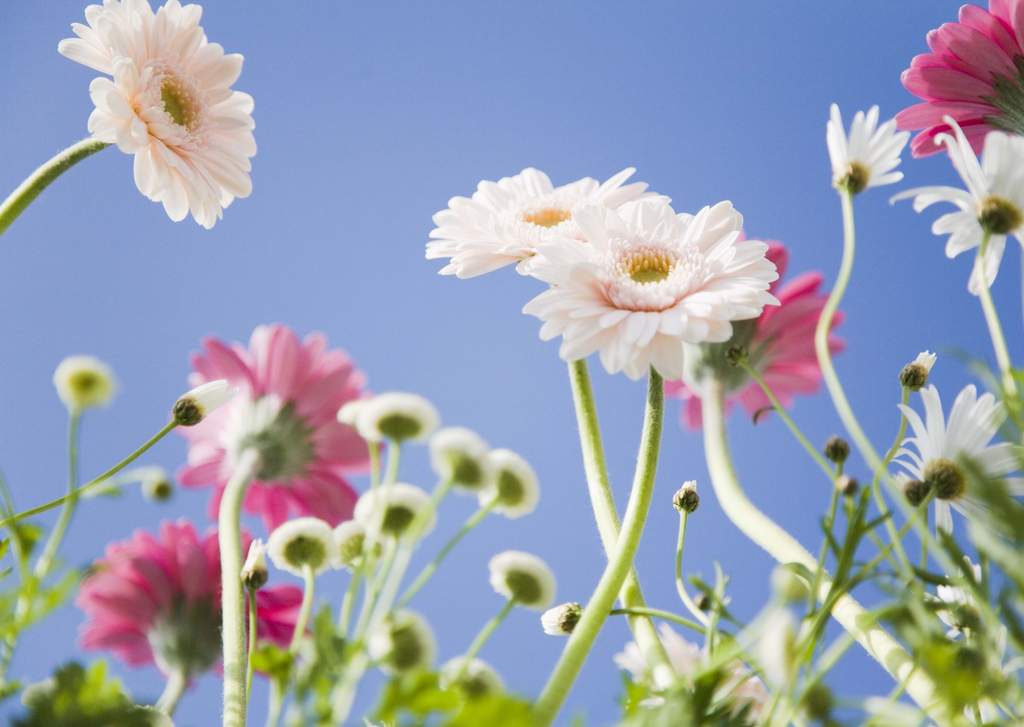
x=999 y=215
x=547 y=216
x=855 y=179
x=179 y=102
x=648 y=265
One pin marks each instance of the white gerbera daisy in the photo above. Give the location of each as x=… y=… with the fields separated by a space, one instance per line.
x=475 y=679
x=396 y=416
x=403 y=642
x=506 y=221
x=931 y=455
x=992 y=204
x=649 y=280
x=513 y=482
x=83 y=382
x=304 y=541
x=459 y=455
x=389 y=511
x=523 y=577
x=170 y=104
x=869 y=155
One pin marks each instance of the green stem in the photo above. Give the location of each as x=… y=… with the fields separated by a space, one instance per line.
x=394 y=457
x=619 y=564
x=275 y=703
x=232 y=599
x=347 y=603
x=253 y=636
x=684 y=596
x=995 y=329
x=812 y=595
x=607 y=519
x=659 y=613
x=42 y=177
x=305 y=609
x=481 y=638
x=174 y=690
x=46 y=559
x=903 y=562
x=374 y=449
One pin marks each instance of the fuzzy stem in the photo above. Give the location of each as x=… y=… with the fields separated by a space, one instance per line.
x=394 y=457
x=619 y=563
x=684 y=596
x=174 y=690
x=309 y=585
x=348 y=601
x=253 y=634
x=995 y=329
x=45 y=561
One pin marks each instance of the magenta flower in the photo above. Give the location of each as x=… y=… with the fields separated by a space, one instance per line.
x=781 y=347
x=289 y=395
x=157 y=600
x=974 y=73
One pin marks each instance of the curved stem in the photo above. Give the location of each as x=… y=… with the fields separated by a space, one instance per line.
x=45 y=561
x=481 y=638
x=607 y=519
x=995 y=329
x=619 y=564
x=174 y=690
x=253 y=637
x=305 y=609
x=232 y=599
x=42 y=177
x=659 y=613
x=763 y=531
x=684 y=596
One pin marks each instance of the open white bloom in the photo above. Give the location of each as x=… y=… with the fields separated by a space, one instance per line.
x=513 y=482
x=506 y=221
x=396 y=416
x=869 y=155
x=349 y=539
x=460 y=455
x=389 y=511
x=169 y=103
x=254 y=570
x=561 y=620
x=646 y=281
x=959 y=602
x=304 y=541
x=478 y=678
x=83 y=382
x=196 y=404
x=931 y=455
x=523 y=577
x=402 y=642
x=992 y=204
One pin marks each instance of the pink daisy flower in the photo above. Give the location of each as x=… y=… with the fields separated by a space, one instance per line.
x=974 y=73
x=781 y=346
x=289 y=395
x=157 y=600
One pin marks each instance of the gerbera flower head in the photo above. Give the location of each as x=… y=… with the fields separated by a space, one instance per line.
x=779 y=345
x=505 y=222
x=156 y=599
x=647 y=280
x=931 y=456
x=169 y=103
x=394 y=416
x=973 y=74
x=991 y=205
x=286 y=407
x=389 y=511
x=868 y=155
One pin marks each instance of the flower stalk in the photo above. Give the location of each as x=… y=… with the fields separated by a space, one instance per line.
x=995 y=328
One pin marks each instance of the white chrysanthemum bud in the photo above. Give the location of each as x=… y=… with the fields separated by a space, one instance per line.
x=403 y=642
x=349 y=539
x=389 y=511
x=197 y=404
x=83 y=382
x=349 y=412
x=914 y=375
x=396 y=416
x=788 y=586
x=514 y=483
x=561 y=620
x=475 y=679
x=524 y=578
x=156 y=484
x=460 y=455
x=304 y=541
x=254 y=570
x=686 y=498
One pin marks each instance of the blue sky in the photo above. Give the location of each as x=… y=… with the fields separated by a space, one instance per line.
x=369 y=117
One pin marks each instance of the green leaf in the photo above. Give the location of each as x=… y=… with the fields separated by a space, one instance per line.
x=494 y=709
x=418 y=694
x=273 y=661
x=27 y=535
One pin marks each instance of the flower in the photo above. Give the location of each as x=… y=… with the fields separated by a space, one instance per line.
x=156 y=483
x=513 y=485
x=740 y=686
x=156 y=598
x=195 y=405
x=775 y=645
x=779 y=345
x=522 y=577
x=992 y=205
x=972 y=74
x=289 y=395
x=402 y=642
x=932 y=454
x=349 y=538
x=302 y=542
x=169 y=104
x=83 y=382
x=647 y=281
x=475 y=678
x=505 y=222
x=561 y=620
x=869 y=155
x=915 y=374
x=254 y=570
x=396 y=416
x=459 y=455
x=686 y=498
x=389 y=511
x=959 y=612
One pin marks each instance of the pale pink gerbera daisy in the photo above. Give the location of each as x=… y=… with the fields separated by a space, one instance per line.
x=974 y=73
x=779 y=344
x=286 y=408
x=170 y=104
x=156 y=599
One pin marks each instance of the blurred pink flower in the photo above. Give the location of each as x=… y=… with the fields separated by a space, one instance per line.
x=289 y=395
x=974 y=73
x=157 y=600
x=782 y=347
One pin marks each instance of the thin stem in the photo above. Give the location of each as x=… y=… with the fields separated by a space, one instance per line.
x=348 y=601
x=481 y=638
x=394 y=457
x=42 y=177
x=830 y=521
x=659 y=613
x=45 y=561
x=619 y=564
x=305 y=609
x=275 y=703
x=374 y=449
x=232 y=599
x=903 y=562
x=684 y=596
x=253 y=637
x=174 y=690
x=995 y=329
x=365 y=621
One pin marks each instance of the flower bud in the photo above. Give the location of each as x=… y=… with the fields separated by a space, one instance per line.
x=686 y=498
x=836 y=449
x=847 y=485
x=254 y=571
x=914 y=375
x=817 y=702
x=157 y=486
x=561 y=620
x=915 y=491
x=194 y=406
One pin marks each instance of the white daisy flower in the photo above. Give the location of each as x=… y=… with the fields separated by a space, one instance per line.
x=993 y=202
x=523 y=577
x=513 y=482
x=349 y=539
x=402 y=642
x=349 y=411
x=83 y=382
x=775 y=645
x=304 y=541
x=254 y=570
x=396 y=416
x=958 y=602
x=647 y=281
x=506 y=221
x=869 y=155
x=931 y=455
x=169 y=103
x=389 y=511
x=195 y=405
x=156 y=484
x=561 y=620
x=460 y=455
x=478 y=678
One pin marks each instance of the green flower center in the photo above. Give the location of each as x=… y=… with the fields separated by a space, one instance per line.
x=524 y=587
x=397 y=519
x=399 y=427
x=466 y=471
x=187 y=636
x=407 y=650
x=285 y=446
x=945 y=478
x=302 y=550
x=179 y=102
x=999 y=216
x=854 y=179
x=511 y=491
